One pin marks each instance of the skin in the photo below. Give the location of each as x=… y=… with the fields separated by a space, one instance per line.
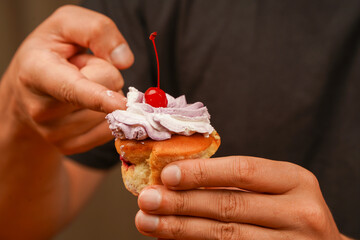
x=53 y=100
x=242 y=198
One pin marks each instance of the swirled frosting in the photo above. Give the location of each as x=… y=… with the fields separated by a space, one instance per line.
x=140 y=120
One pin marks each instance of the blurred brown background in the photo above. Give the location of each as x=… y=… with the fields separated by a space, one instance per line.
x=110 y=213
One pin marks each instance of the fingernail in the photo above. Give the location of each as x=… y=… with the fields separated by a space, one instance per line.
x=146 y=222
x=122 y=55
x=171 y=175
x=150 y=199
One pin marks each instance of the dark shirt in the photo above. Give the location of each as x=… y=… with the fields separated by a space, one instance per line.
x=281 y=80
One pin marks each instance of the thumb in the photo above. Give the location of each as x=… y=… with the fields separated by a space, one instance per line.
x=92 y=30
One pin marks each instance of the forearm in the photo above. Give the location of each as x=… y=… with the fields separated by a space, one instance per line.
x=33 y=182
x=53 y=102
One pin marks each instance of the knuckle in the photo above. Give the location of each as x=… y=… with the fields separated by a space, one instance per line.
x=178 y=229
x=295 y=171
x=313 y=216
x=116 y=80
x=182 y=203
x=62 y=12
x=26 y=67
x=244 y=169
x=100 y=25
x=24 y=78
x=229 y=206
x=308 y=177
x=200 y=173
x=29 y=66
x=67 y=93
x=35 y=112
x=226 y=231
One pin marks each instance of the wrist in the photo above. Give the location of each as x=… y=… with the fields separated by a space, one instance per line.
x=13 y=128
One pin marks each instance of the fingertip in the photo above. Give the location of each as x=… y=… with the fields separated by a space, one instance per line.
x=122 y=56
x=145 y=222
x=137 y=216
x=113 y=101
x=149 y=199
x=171 y=175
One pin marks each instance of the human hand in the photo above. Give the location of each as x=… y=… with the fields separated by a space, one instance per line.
x=249 y=198
x=53 y=87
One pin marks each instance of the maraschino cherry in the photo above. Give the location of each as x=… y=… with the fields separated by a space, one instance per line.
x=154 y=95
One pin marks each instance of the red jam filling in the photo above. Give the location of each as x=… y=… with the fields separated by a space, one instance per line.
x=126 y=164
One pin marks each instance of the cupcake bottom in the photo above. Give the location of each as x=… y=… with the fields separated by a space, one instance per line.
x=143 y=161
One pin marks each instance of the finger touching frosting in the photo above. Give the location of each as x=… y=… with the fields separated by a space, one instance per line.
x=140 y=120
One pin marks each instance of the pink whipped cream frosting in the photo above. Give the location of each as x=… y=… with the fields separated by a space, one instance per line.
x=141 y=120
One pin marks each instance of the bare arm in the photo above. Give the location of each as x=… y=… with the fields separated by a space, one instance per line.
x=82 y=183
x=53 y=100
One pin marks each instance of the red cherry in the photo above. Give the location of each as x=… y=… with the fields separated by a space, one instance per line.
x=156 y=97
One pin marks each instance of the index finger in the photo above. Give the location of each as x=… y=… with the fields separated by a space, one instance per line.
x=65 y=82
x=249 y=173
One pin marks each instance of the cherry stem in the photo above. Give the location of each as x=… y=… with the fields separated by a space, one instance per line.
x=152 y=38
